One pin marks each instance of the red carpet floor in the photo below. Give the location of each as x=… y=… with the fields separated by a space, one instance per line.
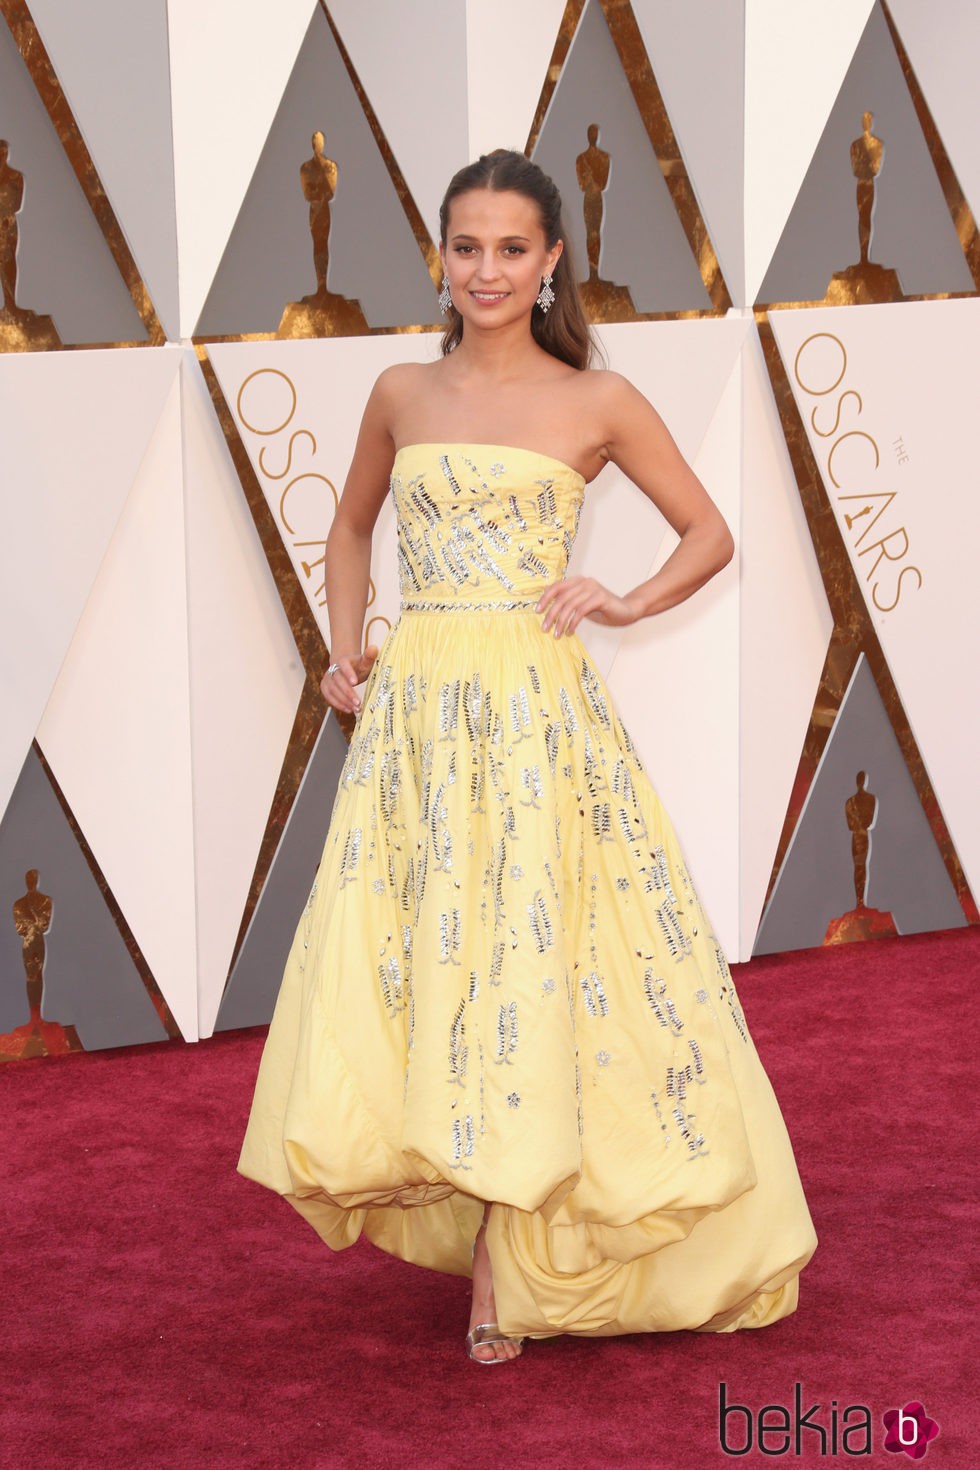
x=160 y=1311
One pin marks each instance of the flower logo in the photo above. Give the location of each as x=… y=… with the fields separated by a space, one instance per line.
x=909 y=1429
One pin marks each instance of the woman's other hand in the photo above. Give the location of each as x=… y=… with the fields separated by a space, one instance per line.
x=339 y=687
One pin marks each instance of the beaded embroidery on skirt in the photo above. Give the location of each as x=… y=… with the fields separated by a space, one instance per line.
x=504 y=986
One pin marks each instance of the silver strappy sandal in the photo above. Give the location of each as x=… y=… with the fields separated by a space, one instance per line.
x=487 y=1333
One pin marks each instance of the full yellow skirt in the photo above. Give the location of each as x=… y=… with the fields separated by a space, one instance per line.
x=504 y=988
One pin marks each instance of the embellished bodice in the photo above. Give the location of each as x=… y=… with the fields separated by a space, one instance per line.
x=481 y=525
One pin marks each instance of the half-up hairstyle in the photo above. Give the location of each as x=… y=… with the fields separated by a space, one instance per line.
x=563 y=331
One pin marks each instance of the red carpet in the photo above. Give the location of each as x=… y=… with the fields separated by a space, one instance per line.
x=160 y=1311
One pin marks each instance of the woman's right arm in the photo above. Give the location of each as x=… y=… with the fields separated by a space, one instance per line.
x=347 y=567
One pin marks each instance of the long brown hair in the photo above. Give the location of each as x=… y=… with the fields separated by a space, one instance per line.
x=563 y=331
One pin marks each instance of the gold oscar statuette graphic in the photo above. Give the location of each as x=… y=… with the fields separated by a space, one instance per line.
x=37 y=1038
x=603 y=301
x=324 y=314
x=21 y=330
x=866 y=282
x=861 y=809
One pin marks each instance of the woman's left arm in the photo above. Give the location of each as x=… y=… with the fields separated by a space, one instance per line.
x=638 y=441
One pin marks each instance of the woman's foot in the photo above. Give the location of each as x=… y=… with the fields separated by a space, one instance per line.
x=484 y=1311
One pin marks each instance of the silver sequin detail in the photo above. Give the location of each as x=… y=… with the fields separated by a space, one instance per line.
x=594 y=994
x=532 y=783
x=507 y=1033
x=727 y=993
x=450 y=937
x=351 y=856
x=463 y=1141
x=390 y=975
x=417 y=605
x=539 y=918
x=660 y=1003
x=459 y=1052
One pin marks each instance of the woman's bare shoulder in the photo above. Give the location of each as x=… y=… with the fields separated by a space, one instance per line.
x=605 y=386
x=606 y=401
x=399 y=381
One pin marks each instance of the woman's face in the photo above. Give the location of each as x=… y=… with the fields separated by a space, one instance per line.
x=495 y=255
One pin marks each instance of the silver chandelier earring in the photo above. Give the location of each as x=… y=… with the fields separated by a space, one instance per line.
x=445 y=299
x=546 y=297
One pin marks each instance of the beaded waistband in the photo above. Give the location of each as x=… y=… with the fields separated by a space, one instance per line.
x=454 y=606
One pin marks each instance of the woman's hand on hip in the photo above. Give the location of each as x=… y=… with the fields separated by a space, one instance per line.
x=566 y=603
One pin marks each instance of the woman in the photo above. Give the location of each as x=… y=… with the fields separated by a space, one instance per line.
x=507 y=1042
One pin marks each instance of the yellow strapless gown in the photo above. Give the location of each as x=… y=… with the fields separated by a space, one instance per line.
x=503 y=986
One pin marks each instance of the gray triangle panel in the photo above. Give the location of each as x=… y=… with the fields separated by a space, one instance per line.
x=912 y=232
x=373 y=254
x=906 y=874
x=90 y=980
x=643 y=243
x=250 y=995
x=65 y=269
x=119 y=85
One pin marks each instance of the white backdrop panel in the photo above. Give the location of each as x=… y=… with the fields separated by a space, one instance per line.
x=889 y=398
x=785 y=631
x=501 y=108
x=117 y=726
x=245 y=682
x=74 y=428
x=229 y=64
x=796 y=57
x=675 y=683
x=298 y=408
x=413 y=68
x=682 y=368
